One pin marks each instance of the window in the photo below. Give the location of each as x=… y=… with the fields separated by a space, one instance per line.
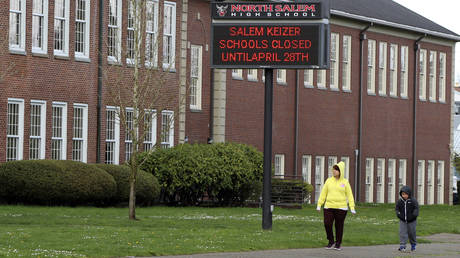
x=169 y=35
x=252 y=74
x=80 y=132
x=150 y=129
x=39 y=26
x=421 y=182
x=331 y=161
x=151 y=29
x=321 y=79
x=17 y=30
x=346 y=63
x=308 y=78
x=263 y=74
x=382 y=68
x=346 y=160
x=167 y=129
x=59 y=131
x=132 y=27
x=279 y=166
x=391 y=180
x=306 y=170
x=393 y=70
x=112 y=136
x=196 y=76
x=380 y=180
x=129 y=131
x=334 y=67
x=15 y=129
x=404 y=71
x=237 y=74
x=432 y=79
x=281 y=76
x=442 y=77
x=440 y=181
x=37 y=129
x=422 y=75
x=371 y=66
x=319 y=176
x=114 y=31
x=61 y=27
x=402 y=172
x=82 y=24
x=369 y=195
x=430 y=182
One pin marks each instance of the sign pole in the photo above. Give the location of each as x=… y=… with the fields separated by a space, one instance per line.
x=267 y=198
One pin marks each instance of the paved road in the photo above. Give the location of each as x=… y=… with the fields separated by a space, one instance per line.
x=443 y=245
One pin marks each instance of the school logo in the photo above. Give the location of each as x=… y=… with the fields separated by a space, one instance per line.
x=342 y=185
x=221 y=10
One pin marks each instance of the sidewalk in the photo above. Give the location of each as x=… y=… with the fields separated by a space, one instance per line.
x=443 y=245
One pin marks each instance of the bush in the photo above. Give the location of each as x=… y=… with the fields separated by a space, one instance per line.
x=55 y=182
x=225 y=173
x=147 y=187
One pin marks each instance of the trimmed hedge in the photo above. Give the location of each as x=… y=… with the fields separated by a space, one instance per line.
x=147 y=187
x=55 y=182
x=225 y=173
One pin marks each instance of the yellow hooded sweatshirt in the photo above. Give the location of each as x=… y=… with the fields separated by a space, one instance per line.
x=336 y=192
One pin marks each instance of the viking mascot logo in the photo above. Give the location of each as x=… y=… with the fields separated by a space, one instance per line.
x=221 y=10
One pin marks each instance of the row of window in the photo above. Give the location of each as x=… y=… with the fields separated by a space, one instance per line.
x=17 y=29
x=436 y=77
x=79 y=127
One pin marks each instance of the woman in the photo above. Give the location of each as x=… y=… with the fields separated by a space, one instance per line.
x=338 y=196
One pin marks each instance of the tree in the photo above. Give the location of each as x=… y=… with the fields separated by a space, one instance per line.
x=139 y=88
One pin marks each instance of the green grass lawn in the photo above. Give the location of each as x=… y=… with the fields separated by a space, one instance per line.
x=64 y=232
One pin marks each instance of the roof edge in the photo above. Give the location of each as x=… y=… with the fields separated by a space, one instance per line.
x=396 y=25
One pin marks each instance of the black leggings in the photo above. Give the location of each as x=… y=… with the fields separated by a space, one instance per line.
x=339 y=216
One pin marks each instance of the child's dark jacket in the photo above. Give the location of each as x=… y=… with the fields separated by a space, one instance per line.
x=407 y=210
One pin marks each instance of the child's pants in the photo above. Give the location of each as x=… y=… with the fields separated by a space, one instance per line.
x=407 y=230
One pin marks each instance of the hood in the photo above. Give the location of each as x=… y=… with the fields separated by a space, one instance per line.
x=407 y=190
x=341 y=166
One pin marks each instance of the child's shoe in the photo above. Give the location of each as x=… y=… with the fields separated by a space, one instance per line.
x=402 y=249
x=412 y=247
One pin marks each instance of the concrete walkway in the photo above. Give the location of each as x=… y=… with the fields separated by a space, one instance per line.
x=443 y=245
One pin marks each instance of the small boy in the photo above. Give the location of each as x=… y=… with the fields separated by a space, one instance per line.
x=407 y=212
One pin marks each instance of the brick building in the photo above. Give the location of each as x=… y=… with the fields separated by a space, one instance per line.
x=384 y=107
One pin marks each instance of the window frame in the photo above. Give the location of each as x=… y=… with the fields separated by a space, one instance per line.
x=150 y=137
x=19 y=146
x=196 y=73
x=152 y=34
x=170 y=136
x=63 y=123
x=404 y=76
x=369 y=181
x=170 y=63
x=308 y=78
x=393 y=80
x=117 y=38
x=432 y=80
x=64 y=52
x=252 y=75
x=43 y=30
x=402 y=173
x=237 y=74
x=319 y=176
x=421 y=181
x=380 y=180
x=346 y=63
x=440 y=182
x=391 y=176
x=383 y=63
x=442 y=77
x=115 y=124
x=84 y=138
x=42 y=129
x=279 y=165
x=83 y=56
x=422 y=75
x=371 y=47
x=20 y=47
x=346 y=160
x=334 y=62
x=321 y=84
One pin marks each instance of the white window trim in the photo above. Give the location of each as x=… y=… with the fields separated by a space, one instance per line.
x=84 y=151
x=118 y=26
x=21 y=47
x=279 y=166
x=44 y=48
x=308 y=83
x=281 y=76
x=306 y=170
x=116 y=141
x=171 y=128
x=320 y=183
x=402 y=179
x=432 y=80
x=148 y=63
x=391 y=180
x=346 y=60
x=440 y=183
x=199 y=85
x=393 y=70
x=20 y=136
x=430 y=182
x=65 y=51
x=238 y=74
x=346 y=160
x=170 y=66
x=421 y=182
x=153 y=126
x=331 y=161
x=252 y=75
x=405 y=69
x=64 y=128
x=371 y=44
x=334 y=71
x=422 y=72
x=321 y=84
x=84 y=56
x=381 y=185
x=42 y=137
x=442 y=78
x=383 y=67
x=369 y=180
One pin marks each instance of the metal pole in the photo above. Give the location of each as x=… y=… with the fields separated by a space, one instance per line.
x=267 y=198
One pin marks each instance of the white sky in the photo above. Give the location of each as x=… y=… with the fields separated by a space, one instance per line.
x=443 y=12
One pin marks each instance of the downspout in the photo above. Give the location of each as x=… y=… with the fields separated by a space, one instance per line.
x=99 y=82
x=362 y=37
x=414 y=118
x=211 y=108
x=296 y=122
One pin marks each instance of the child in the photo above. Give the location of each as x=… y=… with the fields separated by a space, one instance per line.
x=407 y=212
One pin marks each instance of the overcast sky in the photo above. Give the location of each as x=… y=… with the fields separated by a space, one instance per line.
x=445 y=13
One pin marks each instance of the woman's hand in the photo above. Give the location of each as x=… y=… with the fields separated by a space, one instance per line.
x=318 y=209
x=353 y=212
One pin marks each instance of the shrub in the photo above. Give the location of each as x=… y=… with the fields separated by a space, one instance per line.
x=226 y=173
x=147 y=187
x=55 y=182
